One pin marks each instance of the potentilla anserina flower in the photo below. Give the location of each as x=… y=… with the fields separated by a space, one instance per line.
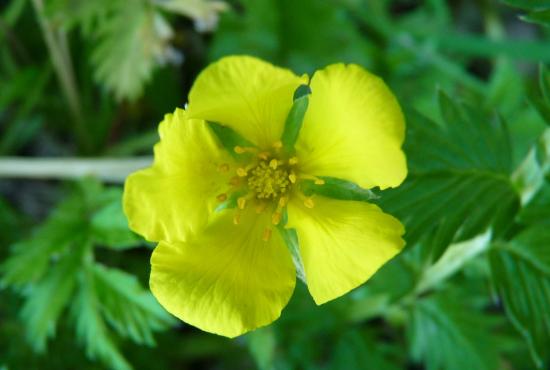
x=248 y=166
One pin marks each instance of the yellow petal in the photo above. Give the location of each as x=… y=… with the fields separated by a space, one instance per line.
x=228 y=281
x=174 y=198
x=353 y=129
x=249 y=95
x=342 y=243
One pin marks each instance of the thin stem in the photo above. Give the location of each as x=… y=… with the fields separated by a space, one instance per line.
x=107 y=169
x=56 y=42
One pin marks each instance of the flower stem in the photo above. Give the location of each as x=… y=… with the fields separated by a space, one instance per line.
x=107 y=169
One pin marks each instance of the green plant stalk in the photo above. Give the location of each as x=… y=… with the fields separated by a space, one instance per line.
x=56 y=42
x=106 y=169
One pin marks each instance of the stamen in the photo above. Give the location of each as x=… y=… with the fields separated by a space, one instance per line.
x=292 y=177
x=260 y=207
x=276 y=218
x=292 y=161
x=237 y=218
x=235 y=181
x=241 y=202
x=244 y=149
x=282 y=202
x=278 y=144
x=223 y=167
x=309 y=203
x=267 y=234
x=241 y=172
x=316 y=180
x=222 y=197
x=273 y=163
x=263 y=155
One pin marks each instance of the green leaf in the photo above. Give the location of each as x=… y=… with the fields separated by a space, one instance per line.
x=130 y=309
x=459 y=178
x=538 y=209
x=528 y=4
x=109 y=226
x=544 y=82
x=274 y=30
x=132 y=42
x=30 y=258
x=444 y=335
x=355 y=351
x=541 y=17
x=337 y=189
x=262 y=343
x=47 y=298
x=521 y=274
x=90 y=326
x=295 y=117
x=203 y=12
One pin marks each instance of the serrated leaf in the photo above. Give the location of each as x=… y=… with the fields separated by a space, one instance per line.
x=90 y=327
x=130 y=309
x=47 y=299
x=205 y=13
x=109 y=226
x=262 y=343
x=538 y=209
x=131 y=43
x=459 y=177
x=521 y=274
x=354 y=351
x=541 y=17
x=443 y=335
x=272 y=30
x=528 y=4
x=30 y=258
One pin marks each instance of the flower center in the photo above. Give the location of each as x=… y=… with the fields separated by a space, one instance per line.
x=268 y=180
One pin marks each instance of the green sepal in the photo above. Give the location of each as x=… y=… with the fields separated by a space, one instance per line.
x=295 y=117
x=290 y=237
x=229 y=138
x=337 y=189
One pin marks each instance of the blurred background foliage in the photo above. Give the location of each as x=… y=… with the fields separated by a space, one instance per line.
x=93 y=79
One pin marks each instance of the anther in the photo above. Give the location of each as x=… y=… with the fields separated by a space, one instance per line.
x=292 y=177
x=241 y=202
x=319 y=181
x=273 y=163
x=244 y=149
x=222 y=197
x=309 y=203
x=276 y=218
x=267 y=234
x=235 y=181
x=263 y=155
x=260 y=207
x=282 y=202
x=292 y=161
x=278 y=144
x=241 y=172
x=223 y=167
x=237 y=218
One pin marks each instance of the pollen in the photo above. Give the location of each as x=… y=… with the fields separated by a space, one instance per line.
x=268 y=181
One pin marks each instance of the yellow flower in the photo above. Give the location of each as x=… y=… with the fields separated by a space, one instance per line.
x=221 y=217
